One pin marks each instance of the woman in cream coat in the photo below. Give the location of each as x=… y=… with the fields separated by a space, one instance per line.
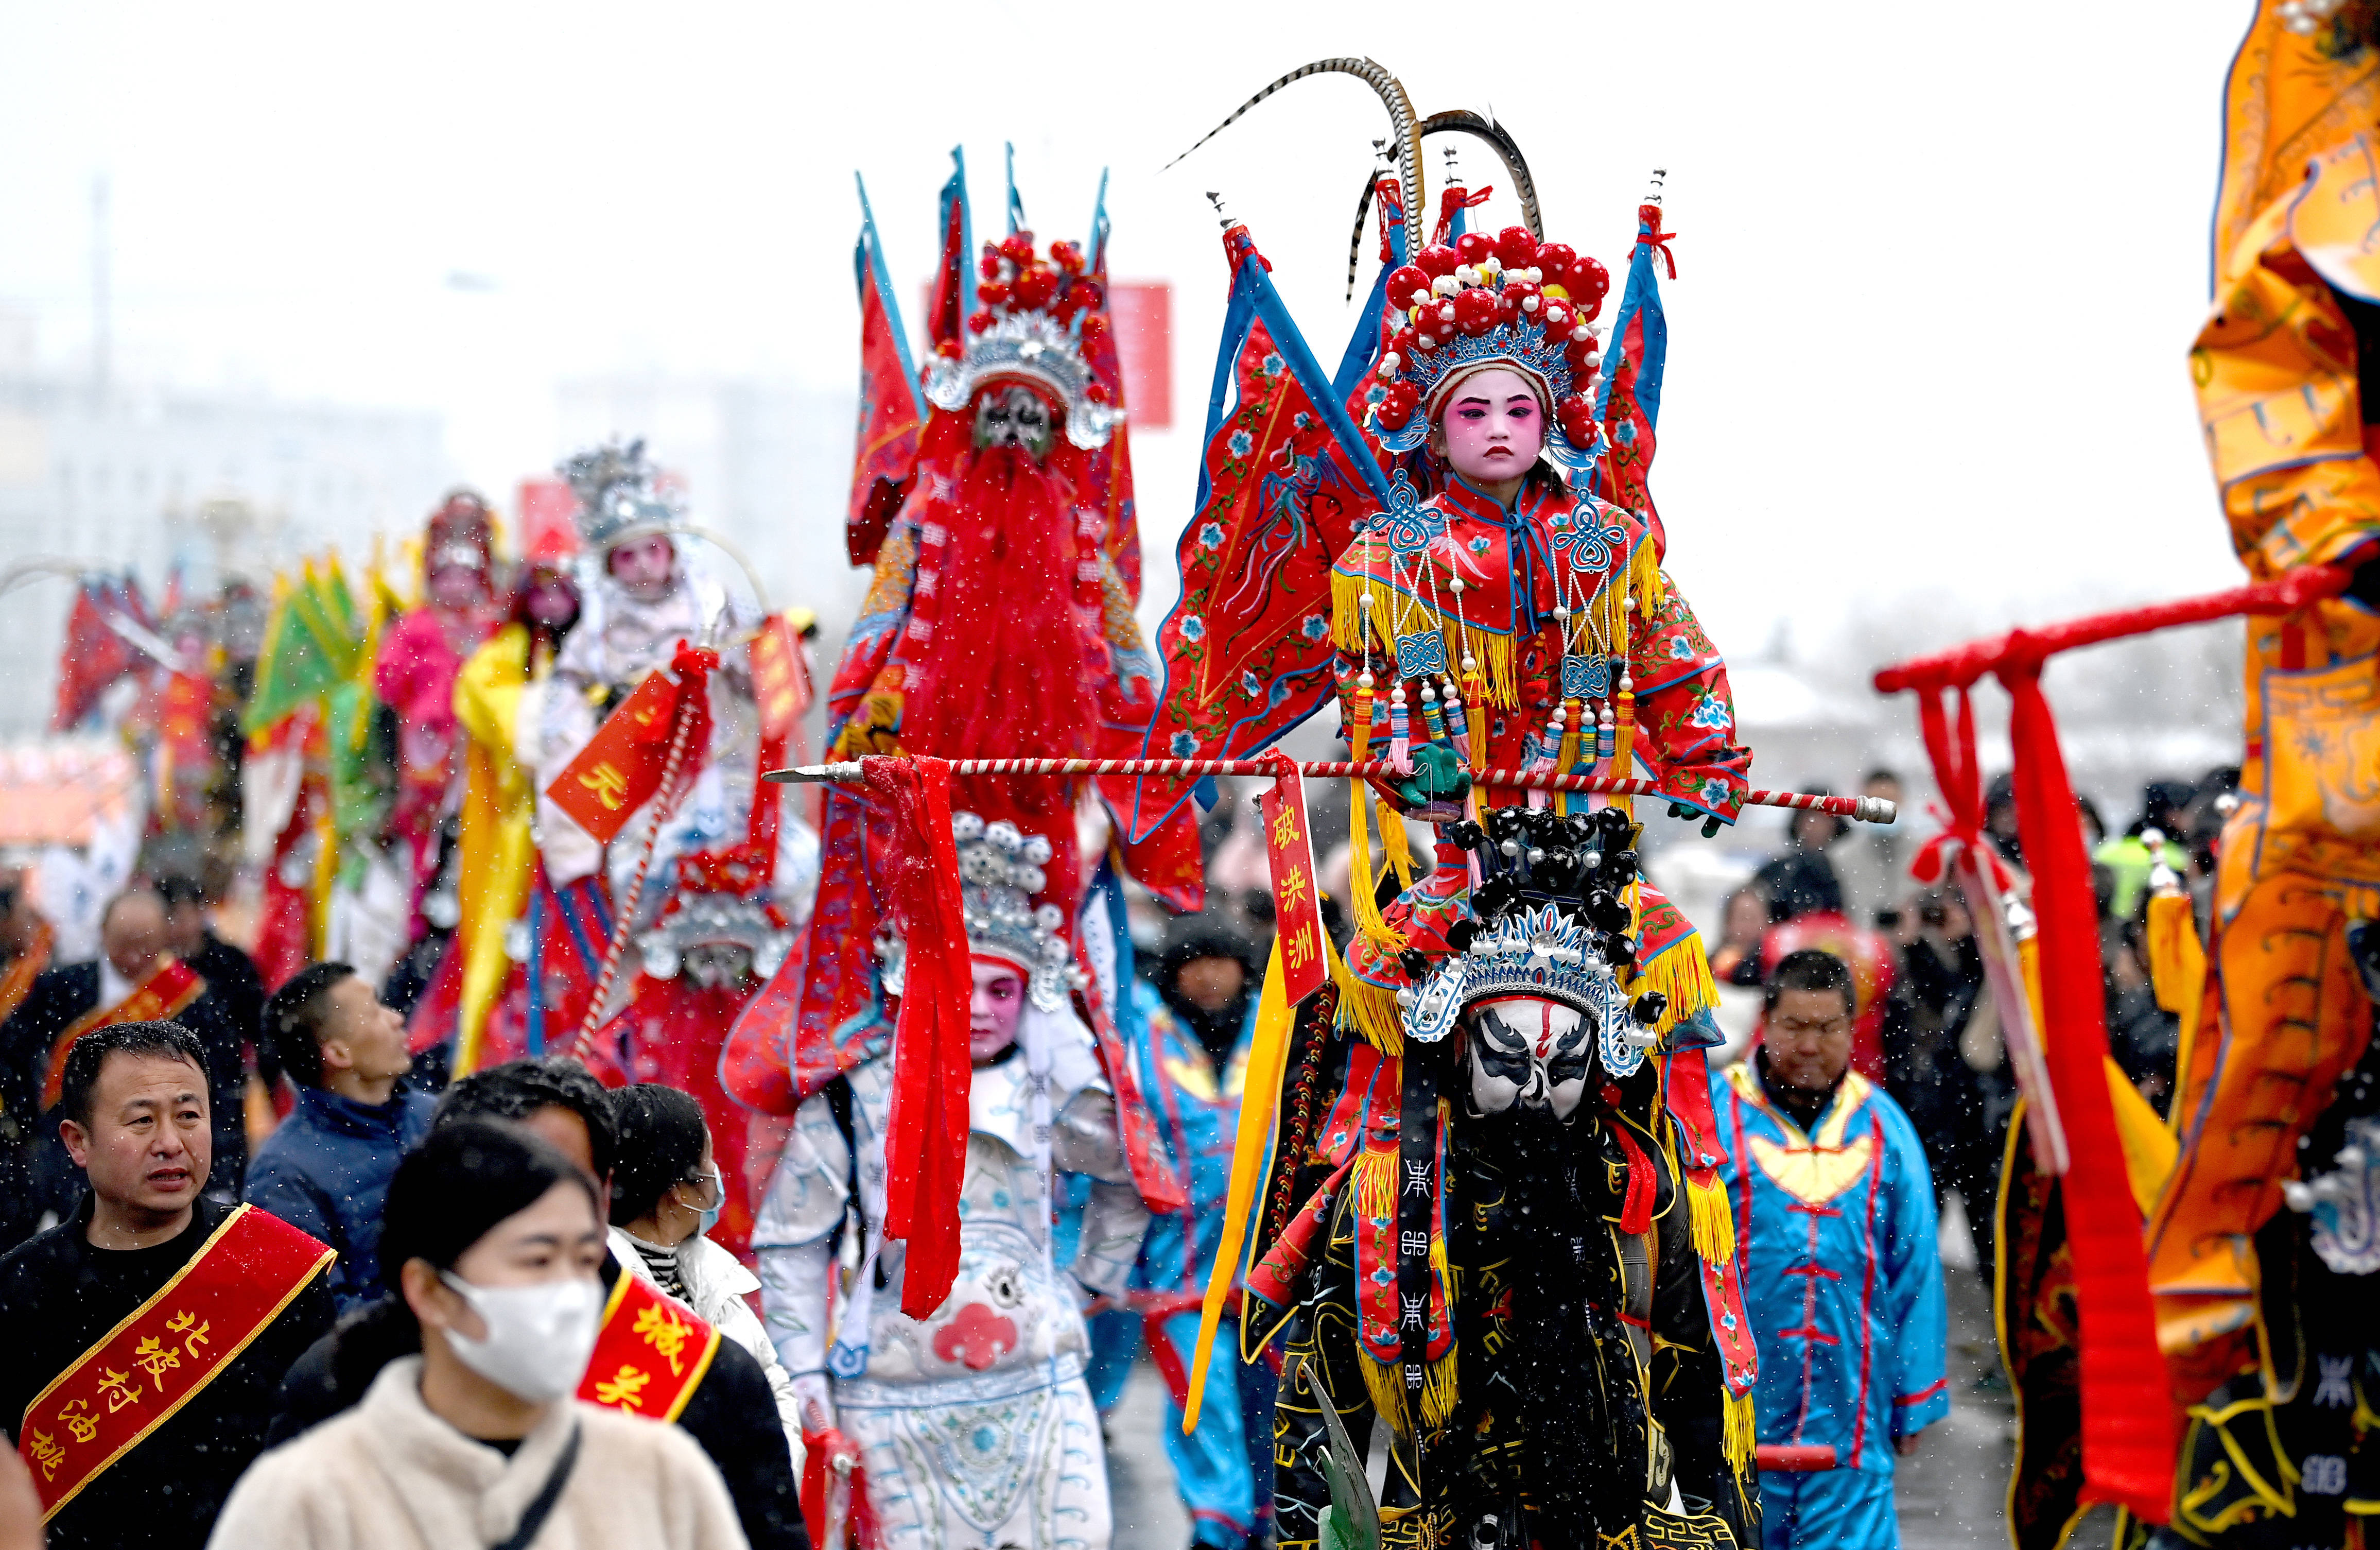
x=492 y=1239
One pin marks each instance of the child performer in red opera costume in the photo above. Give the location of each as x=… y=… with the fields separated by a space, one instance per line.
x=1509 y=1248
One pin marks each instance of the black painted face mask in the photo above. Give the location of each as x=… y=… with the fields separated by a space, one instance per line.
x=1529 y=1053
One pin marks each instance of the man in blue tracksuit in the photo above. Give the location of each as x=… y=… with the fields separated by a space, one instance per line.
x=1842 y=1273
x=325 y=1169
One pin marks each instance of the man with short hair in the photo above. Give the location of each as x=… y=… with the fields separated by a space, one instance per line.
x=729 y=1410
x=143 y=1340
x=326 y=1168
x=230 y=974
x=1842 y=1275
x=136 y=979
x=1807 y=907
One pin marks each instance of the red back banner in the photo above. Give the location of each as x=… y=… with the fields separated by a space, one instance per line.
x=1297 y=911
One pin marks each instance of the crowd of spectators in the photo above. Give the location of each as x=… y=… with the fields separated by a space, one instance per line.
x=1926 y=1014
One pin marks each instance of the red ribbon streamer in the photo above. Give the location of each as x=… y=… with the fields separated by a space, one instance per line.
x=925 y=1149
x=830 y=1452
x=2128 y=1423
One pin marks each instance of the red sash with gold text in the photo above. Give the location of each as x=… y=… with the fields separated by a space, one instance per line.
x=161 y=997
x=155 y=1361
x=650 y=1354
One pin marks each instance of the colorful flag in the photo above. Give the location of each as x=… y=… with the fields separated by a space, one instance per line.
x=93 y=656
x=620 y=766
x=891 y=414
x=780 y=686
x=1630 y=403
x=312 y=646
x=1285 y=477
x=946 y=311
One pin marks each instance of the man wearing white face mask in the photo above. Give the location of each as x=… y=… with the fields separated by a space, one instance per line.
x=476 y=1441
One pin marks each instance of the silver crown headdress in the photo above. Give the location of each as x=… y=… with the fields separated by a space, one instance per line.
x=1549 y=920
x=619 y=495
x=711 y=920
x=1033 y=346
x=1038 y=315
x=999 y=871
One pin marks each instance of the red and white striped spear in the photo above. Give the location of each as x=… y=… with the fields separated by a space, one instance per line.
x=1866 y=810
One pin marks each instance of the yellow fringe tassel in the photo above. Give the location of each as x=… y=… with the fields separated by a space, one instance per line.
x=1372 y=1012
x=1644 y=579
x=1376 y=1182
x=1682 y=975
x=1437 y=1392
x=1740 y=1432
x=1387 y=1386
x=1498 y=654
x=1362 y=882
x=1714 y=1222
x=1396 y=841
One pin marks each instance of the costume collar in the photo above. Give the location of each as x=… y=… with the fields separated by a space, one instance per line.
x=1460 y=495
x=1833 y=1121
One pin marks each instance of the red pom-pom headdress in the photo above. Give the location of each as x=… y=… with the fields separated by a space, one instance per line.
x=1507 y=301
x=1036 y=319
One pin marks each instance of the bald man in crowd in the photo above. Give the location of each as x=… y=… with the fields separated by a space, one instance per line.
x=136 y=979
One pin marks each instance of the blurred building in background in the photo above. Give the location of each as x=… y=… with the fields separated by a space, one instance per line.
x=118 y=476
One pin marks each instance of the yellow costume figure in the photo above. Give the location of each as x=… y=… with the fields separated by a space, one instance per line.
x=499 y=853
x=2256 y=1306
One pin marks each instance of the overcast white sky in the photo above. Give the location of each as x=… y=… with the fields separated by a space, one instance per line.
x=1938 y=266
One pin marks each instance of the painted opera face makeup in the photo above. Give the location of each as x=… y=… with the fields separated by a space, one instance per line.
x=1528 y=1052
x=1493 y=427
x=644 y=568
x=1014 y=416
x=995 y=1007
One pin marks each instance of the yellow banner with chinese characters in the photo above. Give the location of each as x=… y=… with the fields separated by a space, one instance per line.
x=650 y=1355
x=165 y=1352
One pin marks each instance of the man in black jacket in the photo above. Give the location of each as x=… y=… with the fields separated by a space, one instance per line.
x=230 y=974
x=732 y=1412
x=144 y=1339
x=134 y=978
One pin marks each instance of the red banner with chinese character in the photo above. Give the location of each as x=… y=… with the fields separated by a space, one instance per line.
x=157 y=1360
x=1297 y=912
x=650 y=1354
x=620 y=766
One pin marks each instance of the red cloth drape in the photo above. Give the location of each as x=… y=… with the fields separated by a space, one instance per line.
x=925 y=1151
x=2128 y=1423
